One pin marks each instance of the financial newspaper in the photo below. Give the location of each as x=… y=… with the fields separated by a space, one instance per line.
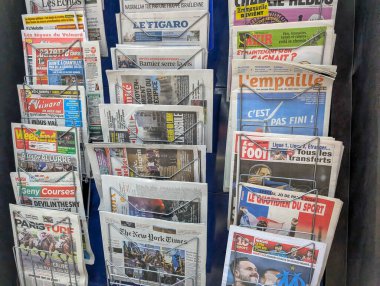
x=166 y=200
x=258 y=258
x=48 y=247
x=163 y=162
x=153 y=252
x=170 y=87
x=287 y=162
x=188 y=28
x=265 y=12
x=147 y=124
x=54 y=105
x=64 y=194
x=142 y=6
x=93 y=10
x=40 y=148
x=55 y=21
x=148 y=57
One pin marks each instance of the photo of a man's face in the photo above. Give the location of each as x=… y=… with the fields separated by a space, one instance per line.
x=245 y=272
x=258 y=173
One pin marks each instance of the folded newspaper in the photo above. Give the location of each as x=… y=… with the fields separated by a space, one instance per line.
x=48 y=247
x=69 y=20
x=169 y=87
x=243 y=12
x=143 y=6
x=64 y=194
x=169 y=28
x=185 y=202
x=263 y=259
x=153 y=252
x=162 y=162
x=40 y=148
x=148 y=124
x=148 y=57
x=54 y=105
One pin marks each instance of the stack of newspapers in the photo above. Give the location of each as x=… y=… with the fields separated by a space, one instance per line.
x=281 y=169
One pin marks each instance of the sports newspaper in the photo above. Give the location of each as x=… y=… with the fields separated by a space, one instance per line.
x=142 y=6
x=60 y=194
x=48 y=246
x=166 y=200
x=40 y=148
x=168 y=87
x=158 y=58
x=272 y=259
x=187 y=28
x=153 y=252
x=162 y=162
x=144 y=124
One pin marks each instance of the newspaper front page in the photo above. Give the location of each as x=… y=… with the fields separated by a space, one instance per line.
x=48 y=247
x=44 y=6
x=185 y=202
x=55 y=21
x=153 y=252
x=64 y=195
x=271 y=259
x=188 y=28
x=142 y=6
x=147 y=124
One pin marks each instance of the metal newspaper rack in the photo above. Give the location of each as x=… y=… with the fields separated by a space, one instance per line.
x=69 y=6
x=117 y=279
x=136 y=65
x=161 y=215
x=20 y=261
x=287 y=254
x=264 y=123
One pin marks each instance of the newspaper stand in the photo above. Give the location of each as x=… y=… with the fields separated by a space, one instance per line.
x=115 y=279
x=17 y=252
x=160 y=214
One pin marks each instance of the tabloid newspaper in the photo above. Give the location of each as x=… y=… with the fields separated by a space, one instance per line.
x=54 y=105
x=188 y=28
x=285 y=162
x=169 y=87
x=55 y=21
x=93 y=10
x=163 y=162
x=261 y=259
x=153 y=252
x=167 y=200
x=141 y=6
x=145 y=57
x=60 y=194
x=253 y=12
x=40 y=148
x=64 y=58
x=147 y=124
x=48 y=246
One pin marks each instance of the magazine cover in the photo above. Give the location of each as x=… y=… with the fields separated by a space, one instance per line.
x=142 y=6
x=162 y=162
x=147 y=124
x=48 y=247
x=188 y=28
x=55 y=21
x=64 y=194
x=263 y=259
x=166 y=200
x=169 y=87
x=40 y=148
x=153 y=252
x=243 y=13
x=145 y=57
x=54 y=105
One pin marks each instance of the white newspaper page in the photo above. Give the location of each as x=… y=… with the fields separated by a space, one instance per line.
x=48 y=247
x=163 y=162
x=148 y=124
x=166 y=200
x=145 y=57
x=61 y=194
x=95 y=24
x=164 y=28
x=142 y=6
x=44 y=6
x=153 y=252
x=259 y=258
